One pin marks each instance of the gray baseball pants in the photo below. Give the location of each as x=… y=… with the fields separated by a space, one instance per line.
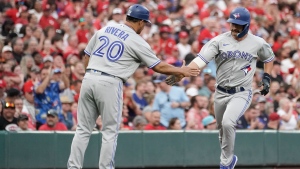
x=228 y=109
x=99 y=95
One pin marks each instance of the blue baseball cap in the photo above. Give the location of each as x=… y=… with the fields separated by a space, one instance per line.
x=160 y=78
x=208 y=120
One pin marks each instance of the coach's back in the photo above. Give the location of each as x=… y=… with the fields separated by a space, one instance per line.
x=118 y=50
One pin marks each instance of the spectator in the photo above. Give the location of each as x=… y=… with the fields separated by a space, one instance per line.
x=174 y=124
x=209 y=123
x=67 y=117
x=116 y=17
x=47 y=61
x=274 y=122
x=170 y=101
x=46 y=19
x=183 y=46
x=148 y=109
x=2 y=90
x=7 y=53
x=250 y=119
x=154 y=123
x=139 y=95
x=46 y=93
x=263 y=116
x=288 y=118
x=139 y=122
x=7 y=121
x=52 y=122
x=17 y=46
x=23 y=123
x=197 y=113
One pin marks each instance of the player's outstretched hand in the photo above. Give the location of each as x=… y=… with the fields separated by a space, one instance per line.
x=266 y=84
x=187 y=72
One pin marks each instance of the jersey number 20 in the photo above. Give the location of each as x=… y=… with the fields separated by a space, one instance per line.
x=115 y=47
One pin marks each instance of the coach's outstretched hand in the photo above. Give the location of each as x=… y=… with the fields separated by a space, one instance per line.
x=266 y=80
x=187 y=72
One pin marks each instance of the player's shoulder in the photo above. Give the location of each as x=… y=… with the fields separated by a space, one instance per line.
x=257 y=39
x=222 y=36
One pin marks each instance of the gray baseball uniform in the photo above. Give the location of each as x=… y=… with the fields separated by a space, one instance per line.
x=236 y=64
x=114 y=51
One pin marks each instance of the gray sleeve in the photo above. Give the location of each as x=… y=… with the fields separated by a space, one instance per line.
x=209 y=50
x=89 y=48
x=265 y=53
x=145 y=54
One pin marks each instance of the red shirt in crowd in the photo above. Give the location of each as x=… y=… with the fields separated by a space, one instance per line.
x=71 y=13
x=59 y=126
x=204 y=36
x=151 y=127
x=82 y=35
x=46 y=21
x=167 y=45
x=12 y=13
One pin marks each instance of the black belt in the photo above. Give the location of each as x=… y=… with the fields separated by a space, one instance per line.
x=231 y=90
x=101 y=73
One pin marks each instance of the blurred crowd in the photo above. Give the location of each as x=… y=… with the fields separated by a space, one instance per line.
x=41 y=68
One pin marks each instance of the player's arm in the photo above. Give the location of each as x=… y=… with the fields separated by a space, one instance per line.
x=41 y=88
x=268 y=67
x=168 y=69
x=86 y=59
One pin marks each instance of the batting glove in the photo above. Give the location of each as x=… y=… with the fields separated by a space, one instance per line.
x=266 y=80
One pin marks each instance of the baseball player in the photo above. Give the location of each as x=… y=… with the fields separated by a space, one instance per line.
x=112 y=56
x=235 y=53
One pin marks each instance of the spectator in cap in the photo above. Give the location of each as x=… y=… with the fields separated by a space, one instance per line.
x=67 y=118
x=83 y=31
x=154 y=123
x=28 y=101
x=139 y=122
x=17 y=46
x=23 y=123
x=209 y=123
x=116 y=17
x=7 y=53
x=48 y=61
x=183 y=46
x=46 y=93
x=174 y=124
x=52 y=122
x=46 y=19
x=166 y=43
x=72 y=46
x=197 y=113
x=194 y=30
x=274 y=122
x=7 y=121
x=263 y=116
x=170 y=101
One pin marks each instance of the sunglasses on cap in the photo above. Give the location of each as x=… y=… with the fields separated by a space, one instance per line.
x=9 y=105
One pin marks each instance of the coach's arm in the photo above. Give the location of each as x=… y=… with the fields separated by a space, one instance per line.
x=86 y=59
x=168 y=69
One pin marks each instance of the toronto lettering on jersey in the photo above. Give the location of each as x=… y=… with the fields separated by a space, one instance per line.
x=236 y=54
x=117 y=32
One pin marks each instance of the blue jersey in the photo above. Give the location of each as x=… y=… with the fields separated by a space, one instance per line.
x=48 y=100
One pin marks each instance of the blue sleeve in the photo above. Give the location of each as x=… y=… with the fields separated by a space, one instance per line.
x=155 y=103
x=184 y=97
